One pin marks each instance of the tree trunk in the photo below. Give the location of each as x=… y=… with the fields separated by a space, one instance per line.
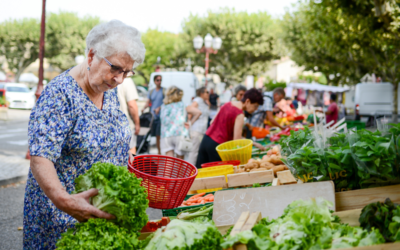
x=395 y=101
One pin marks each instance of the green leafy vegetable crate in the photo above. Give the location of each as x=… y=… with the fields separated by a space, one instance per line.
x=355 y=124
x=175 y=211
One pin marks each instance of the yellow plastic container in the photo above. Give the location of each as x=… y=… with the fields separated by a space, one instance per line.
x=212 y=172
x=236 y=150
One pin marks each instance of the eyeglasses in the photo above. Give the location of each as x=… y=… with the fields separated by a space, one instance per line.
x=116 y=70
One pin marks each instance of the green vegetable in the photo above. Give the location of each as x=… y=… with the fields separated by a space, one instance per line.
x=184 y=235
x=120 y=194
x=383 y=216
x=205 y=211
x=256 y=185
x=97 y=234
x=304 y=225
x=290 y=144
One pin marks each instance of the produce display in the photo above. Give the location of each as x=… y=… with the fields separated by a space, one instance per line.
x=183 y=235
x=120 y=194
x=305 y=225
x=198 y=199
x=98 y=234
x=360 y=159
x=382 y=216
x=271 y=161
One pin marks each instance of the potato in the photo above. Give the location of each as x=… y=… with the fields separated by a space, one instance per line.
x=251 y=165
x=266 y=164
x=265 y=158
x=258 y=169
x=278 y=168
x=276 y=160
x=251 y=160
x=274 y=151
x=240 y=170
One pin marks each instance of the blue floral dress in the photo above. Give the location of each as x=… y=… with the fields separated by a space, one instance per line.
x=66 y=128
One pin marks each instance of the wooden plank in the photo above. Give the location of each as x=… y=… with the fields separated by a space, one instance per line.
x=276 y=182
x=350 y=217
x=270 y=201
x=249 y=178
x=240 y=222
x=251 y=221
x=208 y=183
x=355 y=199
x=286 y=177
x=387 y=246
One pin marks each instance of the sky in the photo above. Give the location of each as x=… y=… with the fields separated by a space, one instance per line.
x=144 y=14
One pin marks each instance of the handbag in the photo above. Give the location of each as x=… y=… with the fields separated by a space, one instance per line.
x=185 y=142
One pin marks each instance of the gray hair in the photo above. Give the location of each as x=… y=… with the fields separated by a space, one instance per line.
x=240 y=88
x=115 y=37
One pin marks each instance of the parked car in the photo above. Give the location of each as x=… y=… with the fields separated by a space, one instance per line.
x=19 y=96
x=186 y=81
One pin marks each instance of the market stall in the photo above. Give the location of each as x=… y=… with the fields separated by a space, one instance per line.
x=277 y=199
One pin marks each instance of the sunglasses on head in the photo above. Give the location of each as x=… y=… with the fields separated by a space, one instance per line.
x=116 y=70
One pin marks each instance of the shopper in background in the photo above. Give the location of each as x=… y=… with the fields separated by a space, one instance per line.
x=333 y=112
x=266 y=111
x=227 y=125
x=154 y=101
x=239 y=92
x=214 y=104
x=198 y=128
x=295 y=102
x=173 y=122
x=127 y=96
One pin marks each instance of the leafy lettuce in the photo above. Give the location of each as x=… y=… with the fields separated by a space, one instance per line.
x=120 y=194
x=98 y=234
x=304 y=225
x=184 y=235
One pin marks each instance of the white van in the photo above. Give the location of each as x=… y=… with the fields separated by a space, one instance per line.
x=373 y=99
x=186 y=81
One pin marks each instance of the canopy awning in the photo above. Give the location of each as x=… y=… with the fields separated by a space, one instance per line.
x=317 y=87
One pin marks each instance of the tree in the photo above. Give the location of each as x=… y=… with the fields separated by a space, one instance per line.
x=247 y=42
x=349 y=37
x=19 y=42
x=166 y=45
x=65 y=37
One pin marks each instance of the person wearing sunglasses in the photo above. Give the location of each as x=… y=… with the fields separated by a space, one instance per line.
x=75 y=123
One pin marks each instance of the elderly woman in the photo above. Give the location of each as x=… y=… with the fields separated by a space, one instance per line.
x=75 y=123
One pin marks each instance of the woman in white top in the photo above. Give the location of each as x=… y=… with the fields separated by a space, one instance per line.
x=198 y=128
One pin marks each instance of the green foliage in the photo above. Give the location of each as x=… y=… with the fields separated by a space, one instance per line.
x=271 y=85
x=120 y=194
x=98 y=234
x=167 y=46
x=304 y=225
x=182 y=235
x=190 y=214
x=382 y=216
x=290 y=144
x=19 y=43
x=247 y=41
x=65 y=37
x=349 y=37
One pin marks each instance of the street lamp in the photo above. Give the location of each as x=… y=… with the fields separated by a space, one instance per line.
x=211 y=45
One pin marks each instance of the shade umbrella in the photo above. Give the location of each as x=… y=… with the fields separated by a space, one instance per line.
x=28 y=77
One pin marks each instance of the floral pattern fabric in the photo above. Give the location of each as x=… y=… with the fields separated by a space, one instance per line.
x=66 y=128
x=173 y=118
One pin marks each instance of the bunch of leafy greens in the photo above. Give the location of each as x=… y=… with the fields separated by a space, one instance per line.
x=296 y=139
x=304 y=225
x=201 y=214
x=383 y=216
x=120 y=194
x=375 y=157
x=98 y=234
x=183 y=235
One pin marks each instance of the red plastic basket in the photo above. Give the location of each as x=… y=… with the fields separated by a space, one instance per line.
x=220 y=163
x=167 y=179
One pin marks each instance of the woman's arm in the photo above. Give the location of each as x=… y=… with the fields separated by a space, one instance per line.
x=194 y=112
x=237 y=129
x=76 y=205
x=194 y=105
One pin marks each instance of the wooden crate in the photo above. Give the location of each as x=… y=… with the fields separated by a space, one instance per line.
x=356 y=199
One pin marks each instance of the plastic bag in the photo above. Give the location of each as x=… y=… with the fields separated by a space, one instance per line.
x=375 y=157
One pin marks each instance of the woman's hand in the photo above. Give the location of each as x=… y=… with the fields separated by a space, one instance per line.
x=78 y=206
